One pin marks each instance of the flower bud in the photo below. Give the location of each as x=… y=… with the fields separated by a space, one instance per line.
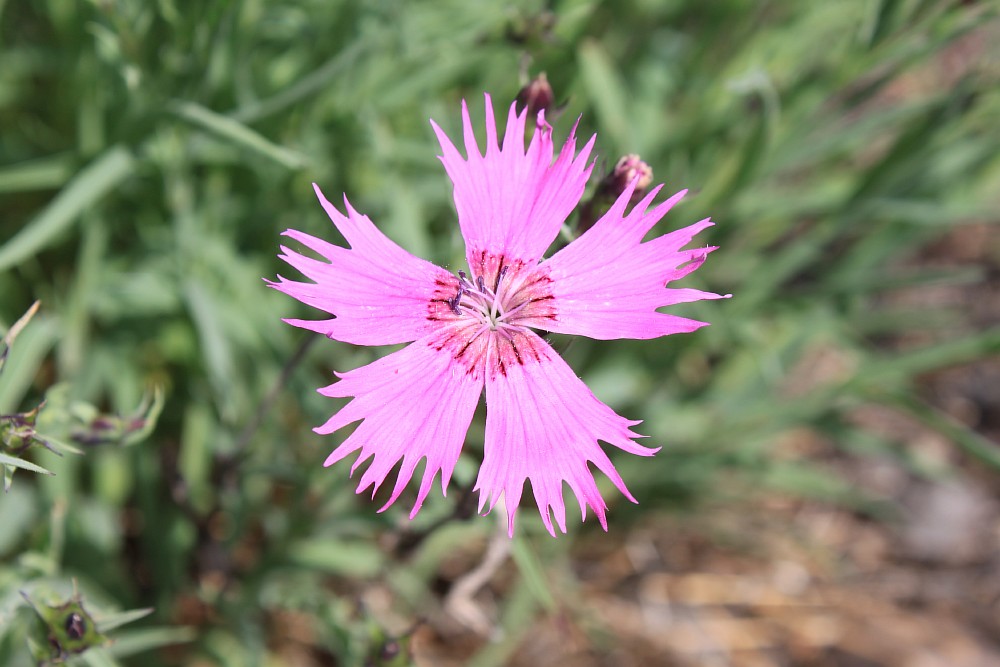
x=94 y=428
x=63 y=631
x=536 y=96
x=17 y=432
x=629 y=168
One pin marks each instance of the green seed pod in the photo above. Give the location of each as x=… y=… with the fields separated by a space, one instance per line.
x=62 y=631
x=385 y=650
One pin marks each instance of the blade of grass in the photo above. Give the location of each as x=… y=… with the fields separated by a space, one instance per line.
x=21 y=366
x=88 y=187
x=909 y=364
x=137 y=641
x=608 y=94
x=237 y=133
x=216 y=347
x=39 y=174
x=534 y=575
x=310 y=84
x=968 y=440
x=112 y=621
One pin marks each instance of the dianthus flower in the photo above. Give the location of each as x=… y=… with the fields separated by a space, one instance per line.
x=475 y=329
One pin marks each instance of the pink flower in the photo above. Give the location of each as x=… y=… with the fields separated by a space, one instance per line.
x=474 y=330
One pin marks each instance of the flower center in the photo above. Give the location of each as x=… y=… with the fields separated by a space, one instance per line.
x=495 y=306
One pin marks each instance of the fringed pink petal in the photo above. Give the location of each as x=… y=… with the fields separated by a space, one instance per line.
x=608 y=284
x=415 y=404
x=377 y=292
x=543 y=424
x=512 y=201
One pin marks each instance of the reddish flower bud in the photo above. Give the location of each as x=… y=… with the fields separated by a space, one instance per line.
x=627 y=169
x=536 y=96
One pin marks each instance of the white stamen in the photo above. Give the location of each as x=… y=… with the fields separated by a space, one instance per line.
x=491 y=306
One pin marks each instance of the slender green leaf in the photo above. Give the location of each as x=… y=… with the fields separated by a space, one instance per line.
x=14 y=462
x=237 y=133
x=131 y=642
x=608 y=93
x=348 y=558
x=39 y=174
x=111 y=621
x=86 y=189
x=533 y=572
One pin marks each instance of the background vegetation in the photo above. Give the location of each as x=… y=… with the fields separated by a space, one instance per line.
x=152 y=151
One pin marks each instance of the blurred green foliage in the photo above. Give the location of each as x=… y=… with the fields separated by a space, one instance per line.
x=153 y=150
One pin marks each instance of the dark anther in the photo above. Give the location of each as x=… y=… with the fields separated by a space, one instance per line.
x=500 y=275
x=76 y=626
x=482 y=285
x=453 y=303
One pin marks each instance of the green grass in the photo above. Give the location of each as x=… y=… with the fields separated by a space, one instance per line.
x=153 y=151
